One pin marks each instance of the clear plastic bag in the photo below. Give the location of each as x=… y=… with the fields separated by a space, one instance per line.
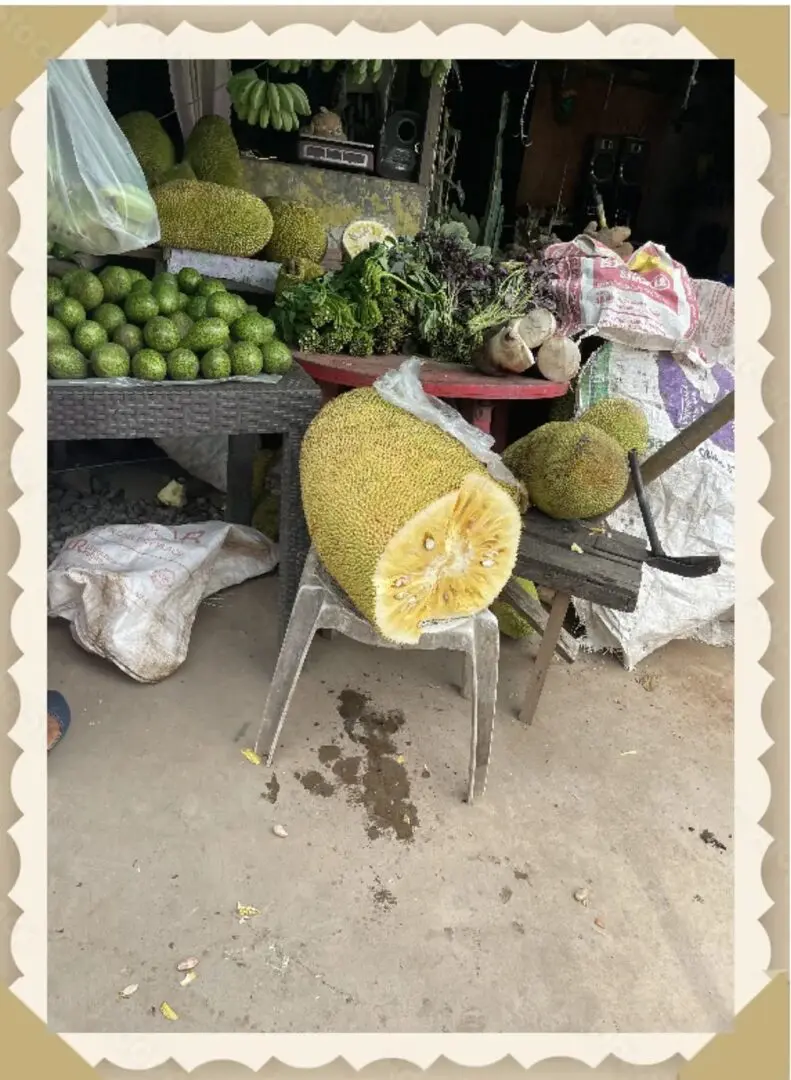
x=402 y=387
x=98 y=202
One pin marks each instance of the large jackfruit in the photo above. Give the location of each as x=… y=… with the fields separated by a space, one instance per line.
x=298 y=233
x=200 y=216
x=213 y=152
x=621 y=419
x=402 y=515
x=151 y=144
x=571 y=470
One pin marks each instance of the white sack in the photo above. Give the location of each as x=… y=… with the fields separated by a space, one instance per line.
x=131 y=592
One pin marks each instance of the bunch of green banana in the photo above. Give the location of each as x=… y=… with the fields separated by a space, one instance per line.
x=436 y=70
x=289 y=67
x=267 y=104
x=327 y=65
x=361 y=71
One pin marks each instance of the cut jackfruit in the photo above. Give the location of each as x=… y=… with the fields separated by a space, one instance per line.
x=403 y=517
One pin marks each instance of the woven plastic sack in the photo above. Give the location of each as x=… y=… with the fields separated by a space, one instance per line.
x=131 y=592
x=693 y=504
x=649 y=302
x=98 y=202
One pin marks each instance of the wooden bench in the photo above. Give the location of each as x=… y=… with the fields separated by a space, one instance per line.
x=575 y=559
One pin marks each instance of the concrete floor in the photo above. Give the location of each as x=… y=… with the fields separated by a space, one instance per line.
x=391 y=905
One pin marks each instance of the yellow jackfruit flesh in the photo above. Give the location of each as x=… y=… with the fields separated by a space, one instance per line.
x=201 y=216
x=151 y=145
x=403 y=517
x=571 y=470
x=298 y=233
x=213 y=152
x=621 y=419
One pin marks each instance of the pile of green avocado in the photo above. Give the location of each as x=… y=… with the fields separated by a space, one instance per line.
x=119 y=323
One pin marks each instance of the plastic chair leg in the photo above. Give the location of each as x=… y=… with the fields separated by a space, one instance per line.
x=302 y=626
x=484 y=662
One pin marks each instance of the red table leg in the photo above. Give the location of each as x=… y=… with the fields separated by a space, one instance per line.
x=482 y=416
x=500 y=426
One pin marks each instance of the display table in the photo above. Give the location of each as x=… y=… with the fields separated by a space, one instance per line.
x=240 y=410
x=486 y=396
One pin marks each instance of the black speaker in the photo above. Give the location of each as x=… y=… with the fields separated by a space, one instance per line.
x=632 y=162
x=398 y=150
x=599 y=174
x=603 y=161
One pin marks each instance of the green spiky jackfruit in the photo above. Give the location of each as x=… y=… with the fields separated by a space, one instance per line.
x=213 y=153
x=151 y=144
x=297 y=233
x=182 y=171
x=571 y=470
x=202 y=216
x=402 y=515
x=296 y=271
x=621 y=419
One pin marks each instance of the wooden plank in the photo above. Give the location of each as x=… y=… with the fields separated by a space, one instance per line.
x=525 y=604
x=428 y=152
x=607 y=570
x=546 y=651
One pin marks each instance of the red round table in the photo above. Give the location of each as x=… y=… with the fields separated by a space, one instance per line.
x=486 y=396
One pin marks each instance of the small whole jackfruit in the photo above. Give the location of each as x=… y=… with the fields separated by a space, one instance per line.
x=621 y=419
x=151 y=145
x=297 y=233
x=570 y=469
x=403 y=517
x=213 y=152
x=201 y=216
x=294 y=272
x=512 y=623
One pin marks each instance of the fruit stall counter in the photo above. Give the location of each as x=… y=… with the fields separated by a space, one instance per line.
x=241 y=410
x=486 y=397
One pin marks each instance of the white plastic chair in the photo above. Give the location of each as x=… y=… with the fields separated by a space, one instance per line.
x=321 y=605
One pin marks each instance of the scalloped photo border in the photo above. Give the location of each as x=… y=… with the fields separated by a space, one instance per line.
x=233 y=33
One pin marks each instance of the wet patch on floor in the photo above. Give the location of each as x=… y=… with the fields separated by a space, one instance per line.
x=272 y=790
x=708 y=837
x=315 y=783
x=375 y=777
x=382 y=897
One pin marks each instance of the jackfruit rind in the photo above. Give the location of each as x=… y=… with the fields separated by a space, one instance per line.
x=213 y=152
x=151 y=144
x=402 y=515
x=201 y=216
x=571 y=470
x=297 y=233
x=621 y=419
